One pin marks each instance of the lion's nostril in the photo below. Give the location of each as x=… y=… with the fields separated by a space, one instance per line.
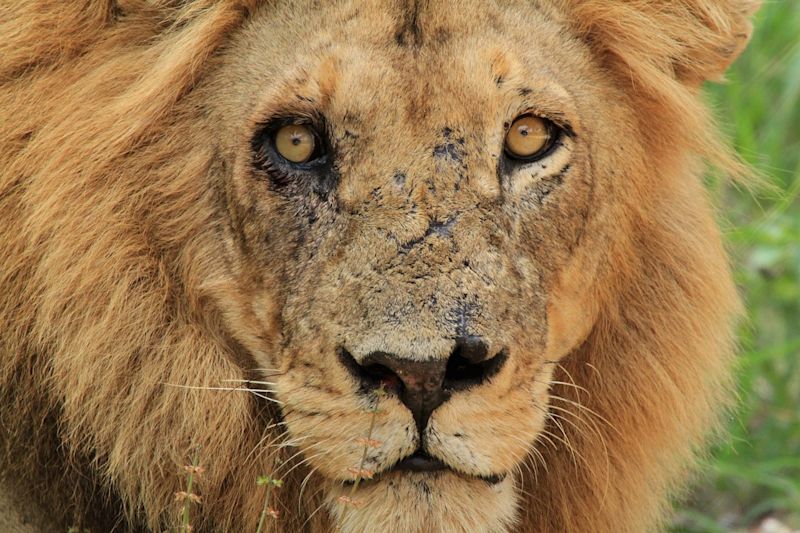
x=383 y=377
x=370 y=374
x=418 y=384
x=469 y=364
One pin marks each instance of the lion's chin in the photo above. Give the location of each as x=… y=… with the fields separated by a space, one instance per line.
x=424 y=501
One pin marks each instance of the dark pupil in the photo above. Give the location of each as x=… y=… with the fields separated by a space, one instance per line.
x=296 y=140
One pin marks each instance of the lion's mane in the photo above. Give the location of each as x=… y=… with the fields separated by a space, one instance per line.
x=101 y=307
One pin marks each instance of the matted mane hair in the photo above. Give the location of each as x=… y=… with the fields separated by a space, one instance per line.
x=101 y=303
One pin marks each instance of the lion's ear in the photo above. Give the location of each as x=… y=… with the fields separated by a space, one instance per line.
x=690 y=40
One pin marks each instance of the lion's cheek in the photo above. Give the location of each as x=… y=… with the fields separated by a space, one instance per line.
x=342 y=436
x=572 y=307
x=484 y=436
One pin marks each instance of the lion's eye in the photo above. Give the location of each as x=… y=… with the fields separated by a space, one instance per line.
x=529 y=138
x=296 y=143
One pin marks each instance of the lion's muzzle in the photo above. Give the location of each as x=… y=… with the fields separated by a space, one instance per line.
x=422 y=384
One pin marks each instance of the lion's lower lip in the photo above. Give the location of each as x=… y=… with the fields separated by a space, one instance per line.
x=420 y=462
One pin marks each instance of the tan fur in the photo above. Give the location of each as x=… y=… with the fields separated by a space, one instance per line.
x=146 y=264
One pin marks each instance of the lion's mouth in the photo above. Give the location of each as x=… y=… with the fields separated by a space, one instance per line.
x=421 y=462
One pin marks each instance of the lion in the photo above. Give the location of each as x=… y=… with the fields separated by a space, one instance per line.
x=360 y=265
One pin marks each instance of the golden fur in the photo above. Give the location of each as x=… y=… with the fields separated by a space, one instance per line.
x=145 y=265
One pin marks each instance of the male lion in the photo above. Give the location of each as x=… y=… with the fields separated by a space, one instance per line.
x=458 y=252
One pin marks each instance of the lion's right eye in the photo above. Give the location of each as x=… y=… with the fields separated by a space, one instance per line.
x=294 y=151
x=297 y=143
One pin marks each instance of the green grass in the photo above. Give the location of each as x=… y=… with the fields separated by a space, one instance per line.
x=756 y=471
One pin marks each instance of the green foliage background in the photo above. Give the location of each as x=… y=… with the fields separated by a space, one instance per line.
x=756 y=471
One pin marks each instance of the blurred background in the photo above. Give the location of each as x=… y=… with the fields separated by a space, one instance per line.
x=752 y=478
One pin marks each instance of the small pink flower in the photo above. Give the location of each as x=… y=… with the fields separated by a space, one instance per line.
x=182 y=496
x=362 y=472
x=196 y=470
x=352 y=502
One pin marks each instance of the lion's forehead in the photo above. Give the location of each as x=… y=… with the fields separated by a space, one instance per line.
x=406 y=97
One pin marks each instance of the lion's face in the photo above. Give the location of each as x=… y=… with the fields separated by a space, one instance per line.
x=399 y=285
x=414 y=253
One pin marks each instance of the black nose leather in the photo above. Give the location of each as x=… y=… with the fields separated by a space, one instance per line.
x=424 y=385
x=421 y=382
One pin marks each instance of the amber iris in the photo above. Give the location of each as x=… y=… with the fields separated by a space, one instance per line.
x=528 y=137
x=295 y=142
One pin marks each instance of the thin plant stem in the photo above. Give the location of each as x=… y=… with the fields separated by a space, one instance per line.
x=187 y=501
x=270 y=483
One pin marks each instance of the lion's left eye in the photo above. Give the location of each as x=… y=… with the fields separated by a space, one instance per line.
x=530 y=138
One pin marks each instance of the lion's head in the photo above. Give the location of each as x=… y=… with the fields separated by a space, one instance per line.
x=437 y=266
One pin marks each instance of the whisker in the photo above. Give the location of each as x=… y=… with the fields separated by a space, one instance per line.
x=544 y=435
x=274 y=371
x=565 y=440
x=594 y=368
x=271 y=445
x=518 y=484
x=578 y=429
x=536 y=454
x=250 y=381
x=586 y=409
x=335 y=455
x=569 y=376
x=300 y=452
x=573 y=385
x=267 y=435
x=566 y=443
x=255 y=392
x=305 y=460
x=594 y=428
x=587 y=424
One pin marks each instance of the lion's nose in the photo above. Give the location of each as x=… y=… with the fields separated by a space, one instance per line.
x=424 y=385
